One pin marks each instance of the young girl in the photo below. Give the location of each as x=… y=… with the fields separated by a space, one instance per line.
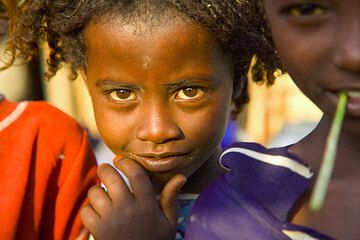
x=266 y=195
x=47 y=167
x=162 y=76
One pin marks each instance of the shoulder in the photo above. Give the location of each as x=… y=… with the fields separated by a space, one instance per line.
x=273 y=176
x=249 y=157
x=50 y=115
x=55 y=126
x=255 y=196
x=56 y=129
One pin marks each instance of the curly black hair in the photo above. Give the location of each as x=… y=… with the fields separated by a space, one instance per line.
x=8 y=16
x=238 y=25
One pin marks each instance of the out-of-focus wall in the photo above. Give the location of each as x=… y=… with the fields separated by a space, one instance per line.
x=13 y=81
x=279 y=111
x=72 y=97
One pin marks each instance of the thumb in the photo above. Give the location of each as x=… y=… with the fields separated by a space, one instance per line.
x=168 y=198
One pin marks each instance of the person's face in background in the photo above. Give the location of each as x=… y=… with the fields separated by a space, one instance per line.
x=319 y=45
x=160 y=97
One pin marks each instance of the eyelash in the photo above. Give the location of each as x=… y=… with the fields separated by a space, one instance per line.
x=200 y=90
x=305 y=10
x=109 y=94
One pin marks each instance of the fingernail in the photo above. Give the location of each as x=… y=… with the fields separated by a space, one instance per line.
x=182 y=183
x=117 y=158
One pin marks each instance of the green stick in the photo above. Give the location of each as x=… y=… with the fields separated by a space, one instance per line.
x=327 y=165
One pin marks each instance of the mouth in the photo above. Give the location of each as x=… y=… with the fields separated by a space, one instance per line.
x=159 y=162
x=353 y=94
x=353 y=103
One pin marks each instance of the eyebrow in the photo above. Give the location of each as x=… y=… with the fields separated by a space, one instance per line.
x=189 y=82
x=185 y=82
x=106 y=83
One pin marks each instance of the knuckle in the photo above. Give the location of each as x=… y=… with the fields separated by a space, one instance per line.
x=102 y=168
x=86 y=216
x=137 y=174
x=94 y=192
x=84 y=210
x=111 y=179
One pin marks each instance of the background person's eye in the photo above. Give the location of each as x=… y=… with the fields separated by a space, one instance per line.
x=189 y=93
x=122 y=95
x=305 y=10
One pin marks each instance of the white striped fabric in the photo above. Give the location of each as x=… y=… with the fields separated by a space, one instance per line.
x=281 y=161
x=13 y=115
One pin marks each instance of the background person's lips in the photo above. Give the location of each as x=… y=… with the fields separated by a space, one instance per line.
x=353 y=103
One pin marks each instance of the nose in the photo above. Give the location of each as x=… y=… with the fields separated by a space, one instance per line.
x=347 y=48
x=158 y=125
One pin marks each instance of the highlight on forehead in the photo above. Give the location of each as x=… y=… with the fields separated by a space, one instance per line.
x=146 y=62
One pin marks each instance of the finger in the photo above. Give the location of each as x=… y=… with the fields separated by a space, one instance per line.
x=139 y=180
x=168 y=198
x=89 y=217
x=100 y=200
x=114 y=183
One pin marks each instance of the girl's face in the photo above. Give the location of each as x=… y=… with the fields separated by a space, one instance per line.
x=319 y=44
x=160 y=96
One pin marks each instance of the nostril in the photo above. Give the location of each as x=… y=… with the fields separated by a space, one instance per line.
x=159 y=134
x=347 y=53
x=157 y=124
x=349 y=62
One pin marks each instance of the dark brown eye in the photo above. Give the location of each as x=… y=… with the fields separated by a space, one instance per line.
x=189 y=93
x=122 y=95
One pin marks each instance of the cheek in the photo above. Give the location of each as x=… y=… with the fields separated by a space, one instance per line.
x=304 y=52
x=206 y=129
x=290 y=50
x=113 y=128
x=299 y=59
x=107 y=121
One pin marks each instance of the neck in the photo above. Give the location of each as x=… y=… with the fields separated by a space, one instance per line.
x=311 y=149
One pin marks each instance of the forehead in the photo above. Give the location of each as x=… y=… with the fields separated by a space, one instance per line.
x=168 y=40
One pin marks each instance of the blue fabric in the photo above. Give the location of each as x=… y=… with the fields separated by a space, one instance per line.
x=230 y=134
x=185 y=206
x=252 y=200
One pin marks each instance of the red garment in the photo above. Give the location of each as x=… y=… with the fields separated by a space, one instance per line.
x=46 y=167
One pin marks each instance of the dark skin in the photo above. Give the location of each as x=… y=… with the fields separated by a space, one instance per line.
x=319 y=44
x=161 y=100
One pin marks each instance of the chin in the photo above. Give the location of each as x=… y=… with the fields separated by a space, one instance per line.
x=351 y=127
x=160 y=179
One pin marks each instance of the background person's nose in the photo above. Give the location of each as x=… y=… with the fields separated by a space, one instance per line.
x=347 y=50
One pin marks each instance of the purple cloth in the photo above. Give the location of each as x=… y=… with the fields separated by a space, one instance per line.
x=253 y=200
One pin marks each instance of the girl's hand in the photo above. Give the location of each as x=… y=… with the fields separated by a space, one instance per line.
x=122 y=214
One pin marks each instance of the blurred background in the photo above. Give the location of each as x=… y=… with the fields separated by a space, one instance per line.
x=276 y=116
